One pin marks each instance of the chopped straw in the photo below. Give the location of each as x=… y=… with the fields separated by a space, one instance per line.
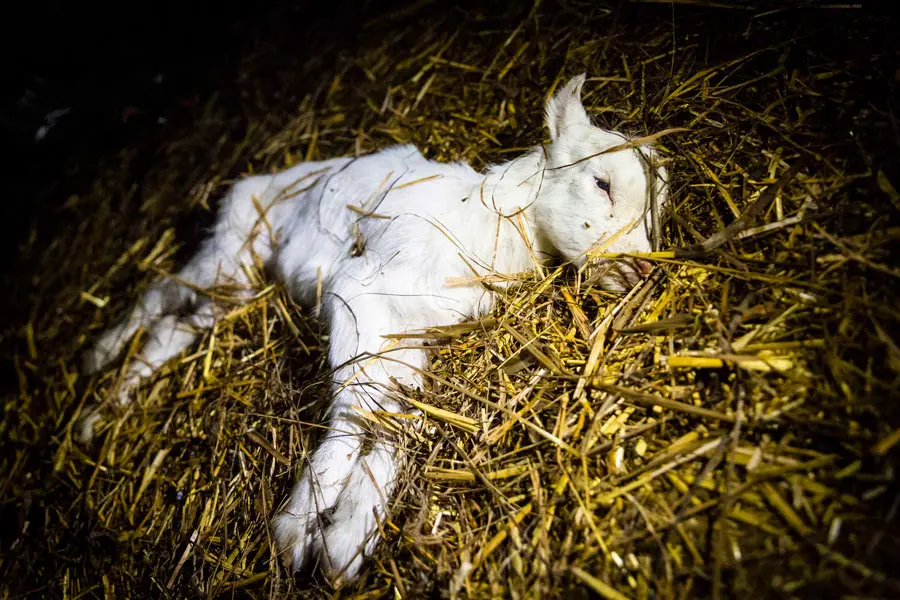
x=729 y=428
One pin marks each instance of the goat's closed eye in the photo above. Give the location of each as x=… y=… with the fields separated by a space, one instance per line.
x=603 y=185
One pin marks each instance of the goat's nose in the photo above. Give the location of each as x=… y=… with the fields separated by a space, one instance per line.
x=643 y=266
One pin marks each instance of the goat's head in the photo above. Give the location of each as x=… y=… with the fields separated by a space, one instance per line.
x=592 y=199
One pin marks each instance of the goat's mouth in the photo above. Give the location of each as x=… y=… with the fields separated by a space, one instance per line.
x=616 y=275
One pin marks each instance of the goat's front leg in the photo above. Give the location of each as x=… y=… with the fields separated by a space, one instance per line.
x=335 y=508
x=305 y=511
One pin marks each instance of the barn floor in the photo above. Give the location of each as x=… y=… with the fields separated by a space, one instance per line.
x=729 y=430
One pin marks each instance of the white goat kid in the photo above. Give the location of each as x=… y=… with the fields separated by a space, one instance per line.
x=382 y=234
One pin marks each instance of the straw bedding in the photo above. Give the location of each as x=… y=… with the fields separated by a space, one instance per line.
x=727 y=429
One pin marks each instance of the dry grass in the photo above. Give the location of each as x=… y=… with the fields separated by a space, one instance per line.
x=728 y=428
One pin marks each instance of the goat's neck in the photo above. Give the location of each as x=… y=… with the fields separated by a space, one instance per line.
x=513 y=186
x=511 y=189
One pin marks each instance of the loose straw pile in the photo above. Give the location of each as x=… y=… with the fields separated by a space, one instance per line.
x=726 y=429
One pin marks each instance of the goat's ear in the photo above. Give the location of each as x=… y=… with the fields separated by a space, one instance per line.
x=565 y=109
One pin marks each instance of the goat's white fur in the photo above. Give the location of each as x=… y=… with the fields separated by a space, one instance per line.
x=416 y=219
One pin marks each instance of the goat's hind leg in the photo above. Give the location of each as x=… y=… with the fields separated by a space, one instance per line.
x=222 y=258
x=168 y=333
x=163 y=297
x=160 y=299
x=167 y=338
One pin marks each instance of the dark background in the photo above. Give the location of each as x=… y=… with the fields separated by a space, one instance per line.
x=124 y=71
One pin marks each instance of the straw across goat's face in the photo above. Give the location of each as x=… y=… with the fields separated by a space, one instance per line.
x=590 y=198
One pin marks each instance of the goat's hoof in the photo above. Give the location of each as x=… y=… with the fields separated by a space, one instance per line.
x=344 y=547
x=293 y=539
x=90 y=417
x=94 y=359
